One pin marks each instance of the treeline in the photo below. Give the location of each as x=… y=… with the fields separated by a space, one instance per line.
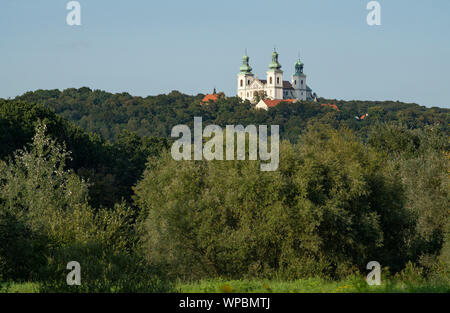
x=347 y=192
x=112 y=168
x=109 y=114
x=333 y=205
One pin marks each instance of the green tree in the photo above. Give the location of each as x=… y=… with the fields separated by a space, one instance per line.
x=419 y=160
x=46 y=221
x=327 y=211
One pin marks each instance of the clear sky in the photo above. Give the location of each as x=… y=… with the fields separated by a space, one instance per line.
x=148 y=47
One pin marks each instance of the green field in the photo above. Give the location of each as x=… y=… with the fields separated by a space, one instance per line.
x=19 y=287
x=313 y=285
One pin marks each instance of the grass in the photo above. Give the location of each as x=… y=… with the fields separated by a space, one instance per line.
x=19 y=287
x=312 y=285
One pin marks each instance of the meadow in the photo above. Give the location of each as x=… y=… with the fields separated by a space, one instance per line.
x=353 y=284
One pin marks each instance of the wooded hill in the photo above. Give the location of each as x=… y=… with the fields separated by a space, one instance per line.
x=87 y=175
x=109 y=114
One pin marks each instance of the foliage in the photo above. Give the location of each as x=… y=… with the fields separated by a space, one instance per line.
x=111 y=169
x=327 y=211
x=109 y=114
x=102 y=270
x=347 y=191
x=418 y=159
x=40 y=196
x=351 y=284
x=47 y=222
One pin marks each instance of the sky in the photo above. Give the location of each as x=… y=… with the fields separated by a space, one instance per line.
x=147 y=47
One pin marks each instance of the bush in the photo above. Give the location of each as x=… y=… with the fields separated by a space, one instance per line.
x=42 y=206
x=19 y=253
x=327 y=211
x=102 y=270
x=46 y=222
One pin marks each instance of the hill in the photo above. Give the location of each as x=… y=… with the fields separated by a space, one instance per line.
x=109 y=114
x=87 y=175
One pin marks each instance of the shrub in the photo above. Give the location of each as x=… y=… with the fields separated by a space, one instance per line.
x=327 y=211
x=46 y=222
x=102 y=270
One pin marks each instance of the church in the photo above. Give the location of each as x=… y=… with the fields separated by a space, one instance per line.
x=274 y=87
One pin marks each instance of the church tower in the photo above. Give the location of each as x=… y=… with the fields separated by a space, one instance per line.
x=275 y=78
x=245 y=78
x=249 y=87
x=299 y=81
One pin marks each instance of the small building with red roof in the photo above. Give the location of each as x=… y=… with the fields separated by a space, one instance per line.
x=265 y=104
x=212 y=96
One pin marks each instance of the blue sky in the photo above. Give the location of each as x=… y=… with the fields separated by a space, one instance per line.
x=150 y=47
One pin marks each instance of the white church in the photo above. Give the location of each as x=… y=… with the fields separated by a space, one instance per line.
x=274 y=87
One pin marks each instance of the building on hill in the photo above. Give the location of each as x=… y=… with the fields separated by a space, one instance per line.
x=274 y=87
x=265 y=104
x=212 y=96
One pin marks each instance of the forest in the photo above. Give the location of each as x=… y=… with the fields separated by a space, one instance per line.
x=87 y=175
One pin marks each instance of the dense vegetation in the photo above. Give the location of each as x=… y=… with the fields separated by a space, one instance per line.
x=109 y=114
x=87 y=176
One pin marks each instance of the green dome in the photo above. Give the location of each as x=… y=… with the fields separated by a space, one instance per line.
x=274 y=65
x=245 y=68
x=299 y=68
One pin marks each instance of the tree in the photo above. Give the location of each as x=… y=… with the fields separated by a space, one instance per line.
x=46 y=201
x=418 y=158
x=46 y=221
x=327 y=211
x=259 y=95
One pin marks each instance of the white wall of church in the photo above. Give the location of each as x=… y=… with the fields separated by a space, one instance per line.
x=243 y=87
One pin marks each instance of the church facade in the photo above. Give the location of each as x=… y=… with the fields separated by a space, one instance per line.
x=273 y=87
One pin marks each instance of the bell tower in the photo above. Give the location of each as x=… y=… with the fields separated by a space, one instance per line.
x=244 y=79
x=299 y=81
x=275 y=78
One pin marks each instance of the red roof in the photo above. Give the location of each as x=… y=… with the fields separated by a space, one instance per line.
x=211 y=96
x=272 y=103
x=287 y=84
x=334 y=106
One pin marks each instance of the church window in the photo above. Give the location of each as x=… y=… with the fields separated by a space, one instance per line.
x=302 y=82
x=248 y=82
x=295 y=82
x=278 y=80
x=270 y=80
x=242 y=83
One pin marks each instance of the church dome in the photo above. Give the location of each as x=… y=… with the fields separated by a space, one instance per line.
x=274 y=65
x=299 y=67
x=245 y=68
